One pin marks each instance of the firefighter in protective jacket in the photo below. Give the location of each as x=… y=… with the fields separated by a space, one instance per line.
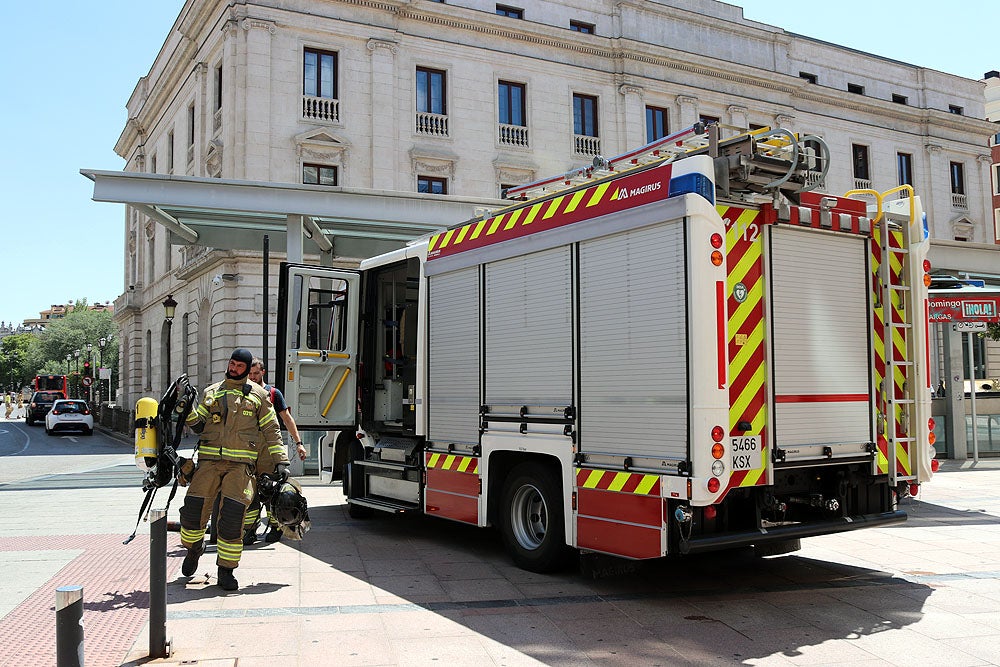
x=235 y=423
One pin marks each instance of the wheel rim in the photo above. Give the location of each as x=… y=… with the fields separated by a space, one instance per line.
x=529 y=517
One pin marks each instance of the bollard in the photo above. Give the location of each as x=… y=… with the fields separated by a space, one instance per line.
x=69 y=626
x=159 y=647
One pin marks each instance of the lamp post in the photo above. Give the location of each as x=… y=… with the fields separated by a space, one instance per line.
x=169 y=308
x=90 y=360
x=76 y=353
x=100 y=352
x=68 y=357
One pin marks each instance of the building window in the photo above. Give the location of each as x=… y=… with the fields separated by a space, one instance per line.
x=856 y=88
x=859 y=161
x=957 y=178
x=811 y=78
x=510 y=102
x=431 y=91
x=708 y=120
x=955 y=109
x=170 y=152
x=319 y=76
x=585 y=115
x=190 y=132
x=152 y=163
x=510 y=12
x=904 y=168
x=900 y=99
x=432 y=185
x=319 y=174
x=657 y=123
x=504 y=187
x=996 y=179
x=513 y=125
x=218 y=86
x=580 y=26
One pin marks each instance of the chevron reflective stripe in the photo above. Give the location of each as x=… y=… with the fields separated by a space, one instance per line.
x=601 y=199
x=897 y=347
x=745 y=327
x=469 y=464
x=267 y=419
x=622 y=482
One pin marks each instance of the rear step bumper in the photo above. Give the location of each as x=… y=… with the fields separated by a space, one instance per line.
x=731 y=540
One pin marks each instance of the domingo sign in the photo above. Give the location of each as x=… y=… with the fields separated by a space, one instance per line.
x=965 y=308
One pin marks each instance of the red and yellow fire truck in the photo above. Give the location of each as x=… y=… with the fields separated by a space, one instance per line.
x=681 y=349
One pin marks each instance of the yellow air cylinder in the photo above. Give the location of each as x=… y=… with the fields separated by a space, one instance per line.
x=146 y=449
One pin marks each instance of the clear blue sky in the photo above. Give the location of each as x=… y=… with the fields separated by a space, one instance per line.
x=69 y=68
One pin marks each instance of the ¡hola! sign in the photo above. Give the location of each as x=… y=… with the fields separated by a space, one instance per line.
x=965 y=309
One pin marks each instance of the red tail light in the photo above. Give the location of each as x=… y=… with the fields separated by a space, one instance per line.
x=718 y=433
x=86 y=412
x=55 y=412
x=935 y=465
x=713 y=484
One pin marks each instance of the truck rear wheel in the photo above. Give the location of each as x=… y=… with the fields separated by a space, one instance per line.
x=531 y=520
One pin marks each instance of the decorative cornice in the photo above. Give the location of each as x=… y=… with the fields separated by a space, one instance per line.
x=736 y=108
x=783 y=119
x=375 y=44
x=250 y=23
x=631 y=89
x=933 y=148
x=687 y=99
x=984 y=159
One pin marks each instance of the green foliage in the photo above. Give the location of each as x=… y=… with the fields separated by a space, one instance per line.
x=46 y=352
x=993 y=330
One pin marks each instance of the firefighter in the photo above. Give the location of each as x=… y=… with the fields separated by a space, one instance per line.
x=264 y=464
x=235 y=422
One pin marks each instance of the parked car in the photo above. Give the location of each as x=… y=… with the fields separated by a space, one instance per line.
x=39 y=406
x=69 y=414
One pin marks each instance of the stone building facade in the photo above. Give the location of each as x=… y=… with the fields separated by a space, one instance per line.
x=469 y=97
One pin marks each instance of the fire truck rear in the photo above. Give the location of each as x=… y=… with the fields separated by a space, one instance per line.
x=677 y=350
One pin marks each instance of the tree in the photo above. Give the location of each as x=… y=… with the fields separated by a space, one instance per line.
x=65 y=335
x=17 y=353
x=993 y=330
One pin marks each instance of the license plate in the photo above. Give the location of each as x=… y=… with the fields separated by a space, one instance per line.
x=746 y=452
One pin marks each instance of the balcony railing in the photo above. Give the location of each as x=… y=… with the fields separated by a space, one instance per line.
x=862 y=184
x=816 y=180
x=432 y=124
x=959 y=201
x=321 y=108
x=586 y=145
x=513 y=135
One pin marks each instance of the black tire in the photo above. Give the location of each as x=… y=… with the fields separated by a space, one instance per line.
x=89 y=431
x=47 y=431
x=531 y=519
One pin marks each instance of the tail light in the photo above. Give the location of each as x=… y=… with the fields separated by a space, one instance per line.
x=86 y=412
x=55 y=412
x=935 y=465
x=713 y=484
x=716 y=240
x=717 y=434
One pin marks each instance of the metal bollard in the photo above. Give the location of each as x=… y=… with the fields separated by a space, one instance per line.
x=69 y=626
x=159 y=646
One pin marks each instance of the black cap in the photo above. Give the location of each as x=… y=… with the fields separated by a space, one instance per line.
x=242 y=354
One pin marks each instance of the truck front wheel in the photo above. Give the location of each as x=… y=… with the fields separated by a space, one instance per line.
x=531 y=520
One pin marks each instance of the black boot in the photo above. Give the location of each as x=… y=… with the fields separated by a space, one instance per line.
x=191 y=560
x=226 y=579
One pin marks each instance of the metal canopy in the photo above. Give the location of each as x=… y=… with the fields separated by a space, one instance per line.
x=232 y=215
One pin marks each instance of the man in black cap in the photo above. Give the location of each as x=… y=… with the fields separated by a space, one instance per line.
x=235 y=422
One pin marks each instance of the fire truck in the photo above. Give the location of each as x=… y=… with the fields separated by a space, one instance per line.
x=680 y=349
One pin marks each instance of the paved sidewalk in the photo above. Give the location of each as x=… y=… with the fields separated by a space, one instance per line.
x=409 y=590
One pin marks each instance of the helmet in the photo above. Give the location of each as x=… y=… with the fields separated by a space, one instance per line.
x=290 y=509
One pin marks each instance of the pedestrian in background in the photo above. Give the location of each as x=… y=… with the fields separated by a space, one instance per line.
x=8 y=403
x=264 y=465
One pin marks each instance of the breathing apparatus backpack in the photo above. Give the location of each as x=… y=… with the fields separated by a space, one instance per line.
x=159 y=428
x=282 y=496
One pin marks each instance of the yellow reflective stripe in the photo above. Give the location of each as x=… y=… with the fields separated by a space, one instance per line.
x=646 y=485
x=276 y=449
x=209 y=449
x=574 y=201
x=267 y=419
x=514 y=217
x=598 y=194
x=229 y=550
x=432 y=461
x=251 y=517
x=464 y=465
x=619 y=481
x=493 y=226
x=592 y=479
x=192 y=536
x=239 y=454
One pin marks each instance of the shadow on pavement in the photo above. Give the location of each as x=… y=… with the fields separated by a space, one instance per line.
x=726 y=607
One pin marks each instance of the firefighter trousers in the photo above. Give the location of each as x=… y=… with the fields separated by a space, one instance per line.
x=238 y=485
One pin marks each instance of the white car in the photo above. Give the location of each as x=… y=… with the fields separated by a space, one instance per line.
x=69 y=414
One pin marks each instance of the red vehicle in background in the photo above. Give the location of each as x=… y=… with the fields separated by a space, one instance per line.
x=58 y=383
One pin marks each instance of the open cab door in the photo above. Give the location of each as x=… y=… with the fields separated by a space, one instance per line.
x=318 y=344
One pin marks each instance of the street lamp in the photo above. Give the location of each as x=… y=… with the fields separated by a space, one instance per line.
x=169 y=308
x=76 y=353
x=68 y=358
x=100 y=351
